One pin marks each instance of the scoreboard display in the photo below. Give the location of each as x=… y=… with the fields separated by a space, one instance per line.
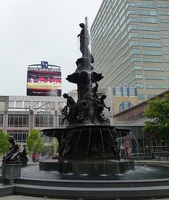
x=44 y=80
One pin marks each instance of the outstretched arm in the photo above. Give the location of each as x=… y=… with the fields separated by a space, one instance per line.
x=106 y=106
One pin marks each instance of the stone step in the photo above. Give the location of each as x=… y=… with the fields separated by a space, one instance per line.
x=94 y=183
x=92 y=192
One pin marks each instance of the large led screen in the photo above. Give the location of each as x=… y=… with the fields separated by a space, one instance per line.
x=44 y=81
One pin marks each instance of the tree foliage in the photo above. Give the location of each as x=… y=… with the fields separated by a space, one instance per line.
x=4 y=143
x=35 y=143
x=158 y=114
x=53 y=147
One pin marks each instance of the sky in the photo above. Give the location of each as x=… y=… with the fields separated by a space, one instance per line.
x=32 y=31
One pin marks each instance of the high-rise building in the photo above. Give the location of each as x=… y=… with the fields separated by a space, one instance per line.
x=130 y=44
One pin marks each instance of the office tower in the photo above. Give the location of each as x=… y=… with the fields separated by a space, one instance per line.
x=130 y=44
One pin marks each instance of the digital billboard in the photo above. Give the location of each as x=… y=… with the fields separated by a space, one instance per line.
x=44 y=80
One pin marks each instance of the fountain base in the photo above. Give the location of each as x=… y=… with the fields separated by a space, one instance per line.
x=90 y=167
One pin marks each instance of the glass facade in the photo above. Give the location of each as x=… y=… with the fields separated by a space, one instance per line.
x=130 y=33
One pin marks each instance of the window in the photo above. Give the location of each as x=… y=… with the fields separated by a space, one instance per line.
x=131 y=20
x=147 y=20
x=125 y=50
x=164 y=20
x=135 y=59
x=19 y=104
x=2 y=105
x=61 y=120
x=141 y=96
x=124 y=43
x=36 y=104
x=149 y=36
x=153 y=69
x=131 y=4
x=163 y=5
x=149 y=28
x=139 y=85
x=156 y=87
x=18 y=120
x=150 y=44
x=165 y=29
x=136 y=68
x=163 y=13
x=1 y=120
x=149 y=96
x=152 y=53
x=138 y=76
x=123 y=27
x=134 y=52
x=155 y=78
x=132 y=27
x=125 y=105
x=133 y=43
x=153 y=60
x=147 y=12
x=26 y=104
x=43 y=120
x=11 y=104
x=132 y=12
x=165 y=36
x=146 y=5
x=133 y=35
x=20 y=136
x=125 y=91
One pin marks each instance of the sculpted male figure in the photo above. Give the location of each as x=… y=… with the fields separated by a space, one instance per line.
x=72 y=105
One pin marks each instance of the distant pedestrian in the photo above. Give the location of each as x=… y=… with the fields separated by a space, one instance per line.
x=34 y=157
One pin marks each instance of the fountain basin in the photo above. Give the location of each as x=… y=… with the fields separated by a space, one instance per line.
x=39 y=183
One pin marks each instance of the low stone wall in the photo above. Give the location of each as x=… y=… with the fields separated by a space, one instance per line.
x=161 y=156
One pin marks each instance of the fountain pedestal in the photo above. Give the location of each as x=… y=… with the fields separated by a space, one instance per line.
x=97 y=167
x=93 y=167
x=10 y=172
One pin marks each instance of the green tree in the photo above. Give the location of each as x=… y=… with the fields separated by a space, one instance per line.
x=4 y=143
x=158 y=113
x=54 y=145
x=35 y=143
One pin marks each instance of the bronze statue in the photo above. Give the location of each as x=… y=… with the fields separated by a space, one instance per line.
x=100 y=105
x=13 y=156
x=72 y=106
x=64 y=112
x=84 y=42
x=101 y=102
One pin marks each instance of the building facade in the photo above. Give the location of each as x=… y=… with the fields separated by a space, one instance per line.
x=130 y=44
x=134 y=119
x=20 y=114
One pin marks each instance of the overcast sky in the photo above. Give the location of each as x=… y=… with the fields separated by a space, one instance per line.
x=32 y=31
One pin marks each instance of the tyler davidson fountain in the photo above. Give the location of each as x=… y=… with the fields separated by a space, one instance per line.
x=88 y=144
x=89 y=163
